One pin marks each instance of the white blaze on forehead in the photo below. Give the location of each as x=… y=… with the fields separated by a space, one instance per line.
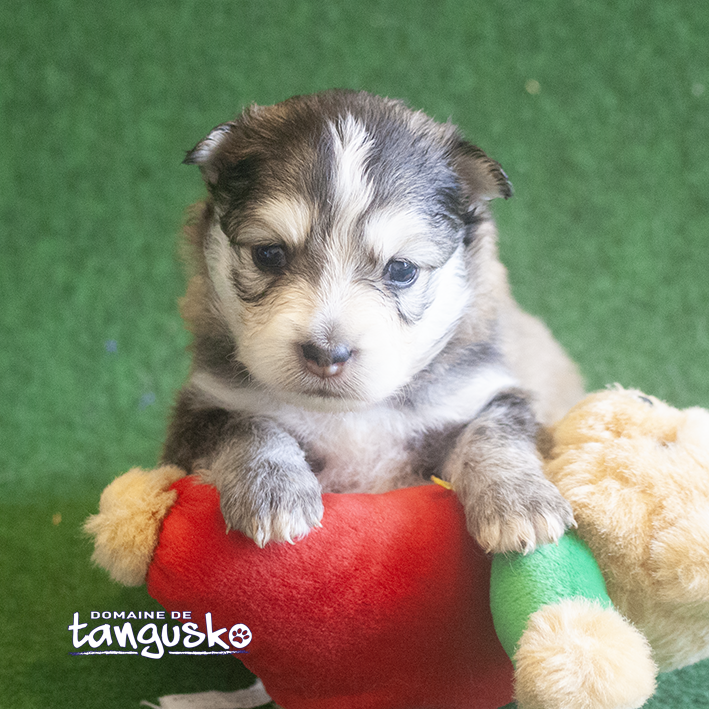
x=280 y=219
x=353 y=192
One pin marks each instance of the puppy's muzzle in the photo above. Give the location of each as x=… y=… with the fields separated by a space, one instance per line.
x=325 y=362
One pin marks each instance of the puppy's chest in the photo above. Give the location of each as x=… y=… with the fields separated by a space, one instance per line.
x=372 y=451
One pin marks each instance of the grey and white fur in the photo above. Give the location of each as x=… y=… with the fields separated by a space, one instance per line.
x=353 y=327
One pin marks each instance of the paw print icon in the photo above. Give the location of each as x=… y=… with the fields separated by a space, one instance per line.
x=240 y=635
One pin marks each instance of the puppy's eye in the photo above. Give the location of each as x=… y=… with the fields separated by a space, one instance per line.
x=270 y=258
x=401 y=273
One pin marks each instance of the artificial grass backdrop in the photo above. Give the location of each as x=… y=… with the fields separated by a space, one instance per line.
x=599 y=111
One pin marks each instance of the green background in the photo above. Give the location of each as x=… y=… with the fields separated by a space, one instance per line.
x=606 y=238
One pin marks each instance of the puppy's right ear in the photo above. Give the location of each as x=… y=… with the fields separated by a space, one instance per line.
x=204 y=152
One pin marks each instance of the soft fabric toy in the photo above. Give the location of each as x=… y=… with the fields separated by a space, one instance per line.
x=636 y=472
x=390 y=603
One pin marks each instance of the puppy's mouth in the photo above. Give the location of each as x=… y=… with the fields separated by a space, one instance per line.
x=327 y=377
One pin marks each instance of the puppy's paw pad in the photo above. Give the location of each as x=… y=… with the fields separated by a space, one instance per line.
x=285 y=526
x=522 y=527
x=285 y=520
x=499 y=536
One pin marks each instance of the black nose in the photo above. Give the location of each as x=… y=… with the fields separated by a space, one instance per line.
x=325 y=361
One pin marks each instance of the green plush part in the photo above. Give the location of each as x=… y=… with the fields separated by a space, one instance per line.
x=521 y=584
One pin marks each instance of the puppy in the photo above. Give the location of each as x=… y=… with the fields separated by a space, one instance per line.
x=353 y=327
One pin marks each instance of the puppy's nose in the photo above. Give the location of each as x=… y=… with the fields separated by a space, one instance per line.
x=325 y=362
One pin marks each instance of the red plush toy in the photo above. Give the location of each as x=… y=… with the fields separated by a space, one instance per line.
x=386 y=606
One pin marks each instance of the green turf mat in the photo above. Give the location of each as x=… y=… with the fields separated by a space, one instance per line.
x=43 y=555
x=599 y=112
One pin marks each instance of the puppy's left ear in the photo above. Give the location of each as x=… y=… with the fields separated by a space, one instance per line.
x=483 y=178
x=203 y=154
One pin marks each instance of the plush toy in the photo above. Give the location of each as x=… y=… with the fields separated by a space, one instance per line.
x=385 y=606
x=391 y=604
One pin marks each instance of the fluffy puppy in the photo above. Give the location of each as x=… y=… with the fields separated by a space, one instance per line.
x=353 y=327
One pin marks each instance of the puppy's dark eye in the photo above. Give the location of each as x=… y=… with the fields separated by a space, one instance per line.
x=401 y=273
x=271 y=258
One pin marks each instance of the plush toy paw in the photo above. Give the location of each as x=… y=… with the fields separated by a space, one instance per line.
x=577 y=654
x=126 y=528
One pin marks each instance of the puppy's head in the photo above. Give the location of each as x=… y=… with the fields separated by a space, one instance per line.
x=339 y=242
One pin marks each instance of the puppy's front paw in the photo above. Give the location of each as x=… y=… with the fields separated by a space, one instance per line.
x=503 y=518
x=271 y=512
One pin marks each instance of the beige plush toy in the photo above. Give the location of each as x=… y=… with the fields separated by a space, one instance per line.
x=636 y=472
